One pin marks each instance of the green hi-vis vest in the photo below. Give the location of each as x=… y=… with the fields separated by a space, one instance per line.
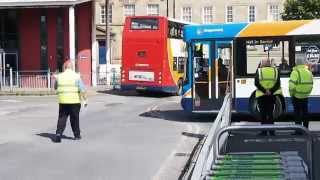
x=68 y=90
x=301 y=82
x=267 y=78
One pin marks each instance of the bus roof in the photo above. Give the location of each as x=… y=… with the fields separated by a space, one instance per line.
x=212 y=31
x=255 y=29
x=281 y=28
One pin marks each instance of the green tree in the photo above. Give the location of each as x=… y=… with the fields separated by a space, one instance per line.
x=301 y=9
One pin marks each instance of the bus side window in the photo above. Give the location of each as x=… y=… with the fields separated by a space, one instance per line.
x=175 y=63
x=284 y=67
x=181 y=64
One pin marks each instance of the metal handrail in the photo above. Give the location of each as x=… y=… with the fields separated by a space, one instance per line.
x=268 y=127
x=206 y=155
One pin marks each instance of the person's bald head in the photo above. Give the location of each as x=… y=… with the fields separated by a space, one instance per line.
x=68 y=65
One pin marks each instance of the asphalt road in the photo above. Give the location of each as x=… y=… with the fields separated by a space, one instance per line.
x=125 y=136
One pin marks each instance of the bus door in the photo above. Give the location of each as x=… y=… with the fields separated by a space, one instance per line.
x=212 y=63
x=201 y=89
x=223 y=71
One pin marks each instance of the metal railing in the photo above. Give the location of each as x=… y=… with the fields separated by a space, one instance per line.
x=12 y=80
x=206 y=155
x=218 y=134
x=44 y=80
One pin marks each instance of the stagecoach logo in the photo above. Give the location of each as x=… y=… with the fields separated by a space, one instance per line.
x=200 y=31
x=313 y=54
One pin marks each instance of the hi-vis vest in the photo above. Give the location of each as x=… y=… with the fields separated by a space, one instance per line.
x=301 y=82
x=267 y=78
x=68 y=91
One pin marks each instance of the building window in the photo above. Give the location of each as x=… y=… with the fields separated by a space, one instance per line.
x=103 y=14
x=208 y=15
x=229 y=15
x=187 y=14
x=129 y=9
x=273 y=13
x=252 y=14
x=153 y=10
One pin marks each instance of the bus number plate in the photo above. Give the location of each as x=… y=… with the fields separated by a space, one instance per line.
x=141 y=76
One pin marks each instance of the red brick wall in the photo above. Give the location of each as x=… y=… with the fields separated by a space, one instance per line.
x=29 y=27
x=84 y=28
x=52 y=38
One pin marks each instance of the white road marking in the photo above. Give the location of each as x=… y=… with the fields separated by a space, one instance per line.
x=168 y=164
x=10 y=100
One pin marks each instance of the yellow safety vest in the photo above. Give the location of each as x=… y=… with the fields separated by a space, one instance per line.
x=68 y=90
x=301 y=82
x=267 y=78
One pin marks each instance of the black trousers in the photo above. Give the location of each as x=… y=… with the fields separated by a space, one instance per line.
x=300 y=107
x=266 y=106
x=73 y=111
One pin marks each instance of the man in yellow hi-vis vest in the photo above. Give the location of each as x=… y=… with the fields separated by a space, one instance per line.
x=267 y=82
x=71 y=92
x=300 y=87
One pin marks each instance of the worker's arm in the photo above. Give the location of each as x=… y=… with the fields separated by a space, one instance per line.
x=257 y=83
x=277 y=85
x=83 y=92
x=292 y=82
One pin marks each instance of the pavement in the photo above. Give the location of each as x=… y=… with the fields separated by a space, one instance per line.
x=125 y=136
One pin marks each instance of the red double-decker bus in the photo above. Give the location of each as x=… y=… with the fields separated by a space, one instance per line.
x=153 y=54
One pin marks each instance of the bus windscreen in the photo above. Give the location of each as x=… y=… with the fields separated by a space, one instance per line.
x=145 y=24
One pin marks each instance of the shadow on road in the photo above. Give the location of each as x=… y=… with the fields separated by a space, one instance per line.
x=182 y=116
x=52 y=136
x=178 y=115
x=119 y=92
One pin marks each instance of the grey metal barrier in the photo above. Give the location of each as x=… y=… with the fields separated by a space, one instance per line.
x=206 y=155
x=235 y=128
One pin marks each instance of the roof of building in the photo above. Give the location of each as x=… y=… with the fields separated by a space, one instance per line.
x=32 y=3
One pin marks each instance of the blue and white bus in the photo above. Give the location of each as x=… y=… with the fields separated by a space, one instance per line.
x=226 y=56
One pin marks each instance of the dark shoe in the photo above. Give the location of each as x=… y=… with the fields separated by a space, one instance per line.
x=77 y=137
x=57 y=139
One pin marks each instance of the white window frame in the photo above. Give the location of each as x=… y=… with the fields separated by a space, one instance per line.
x=126 y=10
x=254 y=14
x=183 y=15
x=151 y=8
x=271 y=15
x=206 y=17
x=102 y=14
x=232 y=12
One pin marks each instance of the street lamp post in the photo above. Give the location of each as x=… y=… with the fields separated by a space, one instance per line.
x=167 y=8
x=107 y=43
x=174 y=8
